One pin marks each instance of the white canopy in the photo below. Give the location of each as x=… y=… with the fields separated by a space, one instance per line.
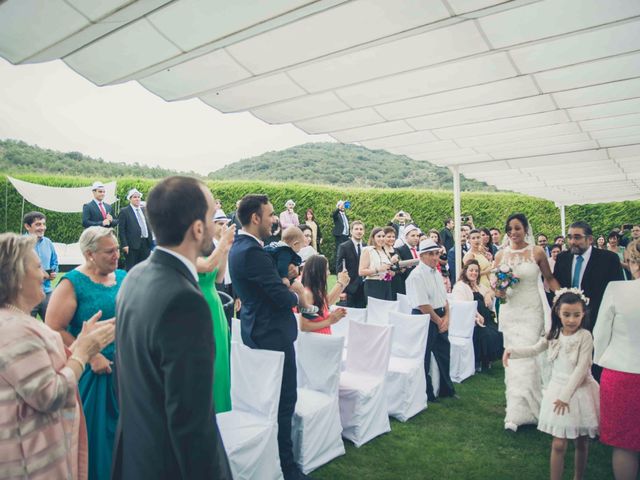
x=60 y=199
x=536 y=96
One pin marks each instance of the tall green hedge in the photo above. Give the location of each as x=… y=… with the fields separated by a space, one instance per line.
x=375 y=207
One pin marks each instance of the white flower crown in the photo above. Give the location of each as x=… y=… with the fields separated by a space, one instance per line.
x=577 y=291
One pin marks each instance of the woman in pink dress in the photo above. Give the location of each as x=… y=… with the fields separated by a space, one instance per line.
x=314 y=278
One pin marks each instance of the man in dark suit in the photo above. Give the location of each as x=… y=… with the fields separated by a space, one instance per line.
x=97 y=212
x=587 y=268
x=348 y=257
x=134 y=231
x=451 y=255
x=446 y=235
x=165 y=358
x=340 y=225
x=267 y=321
x=408 y=251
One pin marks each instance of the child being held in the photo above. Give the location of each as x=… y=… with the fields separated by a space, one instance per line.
x=288 y=262
x=570 y=406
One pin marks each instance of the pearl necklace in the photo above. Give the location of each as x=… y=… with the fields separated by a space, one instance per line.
x=15 y=309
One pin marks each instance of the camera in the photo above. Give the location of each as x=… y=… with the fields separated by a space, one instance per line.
x=465 y=218
x=347 y=204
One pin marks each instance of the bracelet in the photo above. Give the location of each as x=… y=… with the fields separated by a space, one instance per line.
x=78 y=360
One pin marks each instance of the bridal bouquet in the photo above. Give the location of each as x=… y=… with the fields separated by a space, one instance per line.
x=504 y=280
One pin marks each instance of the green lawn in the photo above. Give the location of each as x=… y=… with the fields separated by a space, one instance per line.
x=460 y=439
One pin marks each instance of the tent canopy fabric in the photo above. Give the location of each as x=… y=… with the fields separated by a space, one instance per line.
x=60 y=199
x=536 y=96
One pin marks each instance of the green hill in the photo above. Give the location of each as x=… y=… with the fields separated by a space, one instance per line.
x=344 y=164
x=20 y=157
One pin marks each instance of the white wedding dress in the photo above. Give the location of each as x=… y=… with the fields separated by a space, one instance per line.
x=522 y=323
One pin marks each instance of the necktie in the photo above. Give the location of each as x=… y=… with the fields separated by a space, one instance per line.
x=413 y=252
x=575 y=282
x=102 y=210
x=141 y=222
x=358 y=250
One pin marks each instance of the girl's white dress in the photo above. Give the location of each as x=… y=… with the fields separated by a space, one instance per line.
x=571 y=381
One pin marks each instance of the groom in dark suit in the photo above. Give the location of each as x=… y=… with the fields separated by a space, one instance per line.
x=97 y=212
x=266 y=318
x=167 y=427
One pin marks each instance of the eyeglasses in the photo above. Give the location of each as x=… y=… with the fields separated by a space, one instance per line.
x=577 y=237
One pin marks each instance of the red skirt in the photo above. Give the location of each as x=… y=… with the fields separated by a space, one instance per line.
x=620 y=409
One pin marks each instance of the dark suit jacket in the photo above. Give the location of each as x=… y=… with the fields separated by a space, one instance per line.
x=266 y=317
x=404 y=252
x=603 y=267
x=129 y=232
x=347 y=253
x=167 y=427
x=446 y=238
x=338 y=224
x=91 y=215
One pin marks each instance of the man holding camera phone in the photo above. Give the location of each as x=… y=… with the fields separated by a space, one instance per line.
x=35 y=223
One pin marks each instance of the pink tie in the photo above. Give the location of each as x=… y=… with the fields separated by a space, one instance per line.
x=102 y=210
x=414 y=253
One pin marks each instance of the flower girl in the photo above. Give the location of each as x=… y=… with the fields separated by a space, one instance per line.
x=570 y=404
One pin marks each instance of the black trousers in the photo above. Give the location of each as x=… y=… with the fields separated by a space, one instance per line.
x=438 y=344
x=136 y=255
x=357 y=299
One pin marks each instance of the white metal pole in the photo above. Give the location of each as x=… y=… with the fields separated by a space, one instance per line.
x=563 y=221
x=457 y=216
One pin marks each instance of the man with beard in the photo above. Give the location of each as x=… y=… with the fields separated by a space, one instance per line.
x=165 y=355
x=267 y=321
x=587 y=268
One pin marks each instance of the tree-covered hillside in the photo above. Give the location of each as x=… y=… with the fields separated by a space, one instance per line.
x=20 y=157
x=343 y=164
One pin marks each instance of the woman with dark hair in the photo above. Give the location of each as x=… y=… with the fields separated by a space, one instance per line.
x=487 y=243
x=614 y=246
x=314 y=279
x=601 y=243
x=316 y=238
x=522 y=318
x=480 y=254
x=487 y=340
x=375 y=267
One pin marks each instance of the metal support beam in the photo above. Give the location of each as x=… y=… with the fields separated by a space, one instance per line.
x=563 y=221
x=457 y=216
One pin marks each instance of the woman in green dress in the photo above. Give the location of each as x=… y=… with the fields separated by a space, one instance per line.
x=211 y=270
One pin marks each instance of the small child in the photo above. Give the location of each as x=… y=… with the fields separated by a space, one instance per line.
x=285 y=255
x=570 y=404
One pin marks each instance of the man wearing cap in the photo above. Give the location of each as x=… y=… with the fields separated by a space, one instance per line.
x=427 y=294
x=97 y=212
x=340 y=225
x=408 y=251
x=289 y=218
x=134 y=232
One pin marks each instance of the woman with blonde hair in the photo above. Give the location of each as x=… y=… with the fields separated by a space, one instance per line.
x=375 y=267
x=89 y=288
x=44 y=433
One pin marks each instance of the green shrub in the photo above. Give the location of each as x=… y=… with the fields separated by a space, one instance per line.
x=375 y=207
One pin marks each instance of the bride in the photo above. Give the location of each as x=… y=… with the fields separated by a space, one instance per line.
x=522 y=319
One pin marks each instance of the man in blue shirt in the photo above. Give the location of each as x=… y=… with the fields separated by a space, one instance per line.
x=36 y=224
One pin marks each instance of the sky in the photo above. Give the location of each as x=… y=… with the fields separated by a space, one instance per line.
x=51 y=106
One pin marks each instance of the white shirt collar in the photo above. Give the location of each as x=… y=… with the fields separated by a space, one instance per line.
x=98 y=202
x=356 y=243
x=183 y=259
x=242 y=232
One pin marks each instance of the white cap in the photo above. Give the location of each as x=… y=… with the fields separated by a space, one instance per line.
x=220 y=216
x=410 y=228
x=97 y=185
x=428 y=246
x=132 y=192
x=290 y=202
x=340 y=203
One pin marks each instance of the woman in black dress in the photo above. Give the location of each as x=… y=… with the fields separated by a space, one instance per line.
x=487 y=340
x=397 y=285
x=375 y=267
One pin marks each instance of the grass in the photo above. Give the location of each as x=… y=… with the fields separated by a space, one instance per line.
x=461 y=439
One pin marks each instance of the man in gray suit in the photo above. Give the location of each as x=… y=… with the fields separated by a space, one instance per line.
x=167 y=427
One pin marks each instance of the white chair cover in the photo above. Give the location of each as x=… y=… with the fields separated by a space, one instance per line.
x=250 y=431
x=317 y=432
x=378 y=310
x=68 y=253
x=341 y=329
x=404 y=306
x=463 y=319
x=406 y=385
x=363 y=403
x=236 y=332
